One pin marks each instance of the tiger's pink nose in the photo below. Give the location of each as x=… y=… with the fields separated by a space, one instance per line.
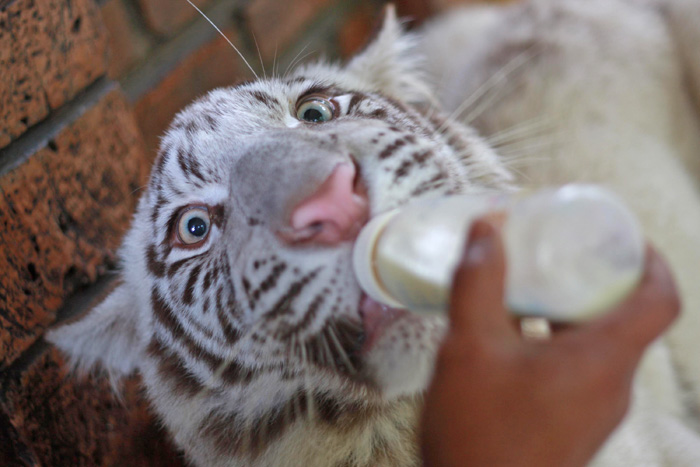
x=335 y=213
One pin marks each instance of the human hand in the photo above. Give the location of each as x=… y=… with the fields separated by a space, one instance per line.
x=498 y=399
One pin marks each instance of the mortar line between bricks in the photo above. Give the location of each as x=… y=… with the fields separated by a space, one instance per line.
x=168 y=55
x=38 y=136
x=74 y=306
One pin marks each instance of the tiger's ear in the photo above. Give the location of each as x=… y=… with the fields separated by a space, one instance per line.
x=391 y=64
x=106 y=336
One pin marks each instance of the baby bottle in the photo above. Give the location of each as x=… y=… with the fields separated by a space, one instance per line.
x=571 y=252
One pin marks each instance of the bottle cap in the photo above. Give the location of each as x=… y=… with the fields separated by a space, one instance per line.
x=363 y=259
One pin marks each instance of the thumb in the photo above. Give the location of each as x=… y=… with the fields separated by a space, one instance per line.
x=476 y=305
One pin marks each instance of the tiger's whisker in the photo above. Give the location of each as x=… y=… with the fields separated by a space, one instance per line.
x=290 y=64
x=527 y=128
x=224 y=36
x=274 y=63
x=497 y=78
x=339 y=347
x=300 y=59
x=262 y=64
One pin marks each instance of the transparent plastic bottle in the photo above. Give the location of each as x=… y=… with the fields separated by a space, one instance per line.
x=571 y=252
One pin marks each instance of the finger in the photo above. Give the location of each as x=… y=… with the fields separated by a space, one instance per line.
x=476 y=304
x=631 y=326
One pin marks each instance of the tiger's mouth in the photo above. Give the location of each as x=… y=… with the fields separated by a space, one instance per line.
x=376 y=319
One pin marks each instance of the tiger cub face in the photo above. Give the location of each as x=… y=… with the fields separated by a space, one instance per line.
x=237 y=299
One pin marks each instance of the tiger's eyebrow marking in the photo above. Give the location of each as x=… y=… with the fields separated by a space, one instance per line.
x=264 y=97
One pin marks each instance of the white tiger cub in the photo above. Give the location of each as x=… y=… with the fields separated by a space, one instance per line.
x=237 y=301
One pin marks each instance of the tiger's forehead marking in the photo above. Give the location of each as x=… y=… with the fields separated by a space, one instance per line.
x=266 y=105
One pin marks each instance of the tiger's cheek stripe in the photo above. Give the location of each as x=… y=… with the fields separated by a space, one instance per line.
x=309 y=316
x=171 y=369
x=155 y=266
x=231 y=334
x=229 y=371
x=283 y=305
x=267 y=284
x=188 y=295
x=392 y=148
x=417 y=158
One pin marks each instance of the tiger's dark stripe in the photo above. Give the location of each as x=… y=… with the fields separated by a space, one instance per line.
x=402 y=170
x=206 y=282
x=160 y=202
x=217 y=213
x=339 y=414
x=231 y=334
x=355 y=100
x=309 y=316
x=411 y=115
x=392 y=148
x=175 y=267
x=298 y=79
x=231 y=372
x=282 y=306
x=189 y=165
x=236 y=373
x=211 y=122
x=231 y=435
x=172 y=369
x=188 y=295
x=379 y=113
x=350 y=338
x=406 y=166
x=161 y=159
x=434 y=183
x=267 y=99
x=154 y=265
x=267 y=284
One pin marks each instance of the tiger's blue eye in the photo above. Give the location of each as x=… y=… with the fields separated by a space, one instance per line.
x=193 y=225
x=315 y=110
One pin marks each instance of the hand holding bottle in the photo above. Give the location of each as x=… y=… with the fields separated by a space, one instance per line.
x=497 y=399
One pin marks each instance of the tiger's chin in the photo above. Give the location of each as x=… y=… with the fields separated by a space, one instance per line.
x=399 y=348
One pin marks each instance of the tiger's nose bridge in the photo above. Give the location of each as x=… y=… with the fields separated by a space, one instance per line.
x=277 y=172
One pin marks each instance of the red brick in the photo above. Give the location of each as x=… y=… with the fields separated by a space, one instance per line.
x=62 y=214
x=128 y=44
x=213 y=65
x=167 y=16
x=52 y=49
x=14 y=449
x=275 y=24
x=74 y=421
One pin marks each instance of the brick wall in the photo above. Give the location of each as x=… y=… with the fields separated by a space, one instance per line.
x=86 y=88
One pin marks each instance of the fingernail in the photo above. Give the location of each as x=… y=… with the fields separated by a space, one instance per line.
x=479 y=244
